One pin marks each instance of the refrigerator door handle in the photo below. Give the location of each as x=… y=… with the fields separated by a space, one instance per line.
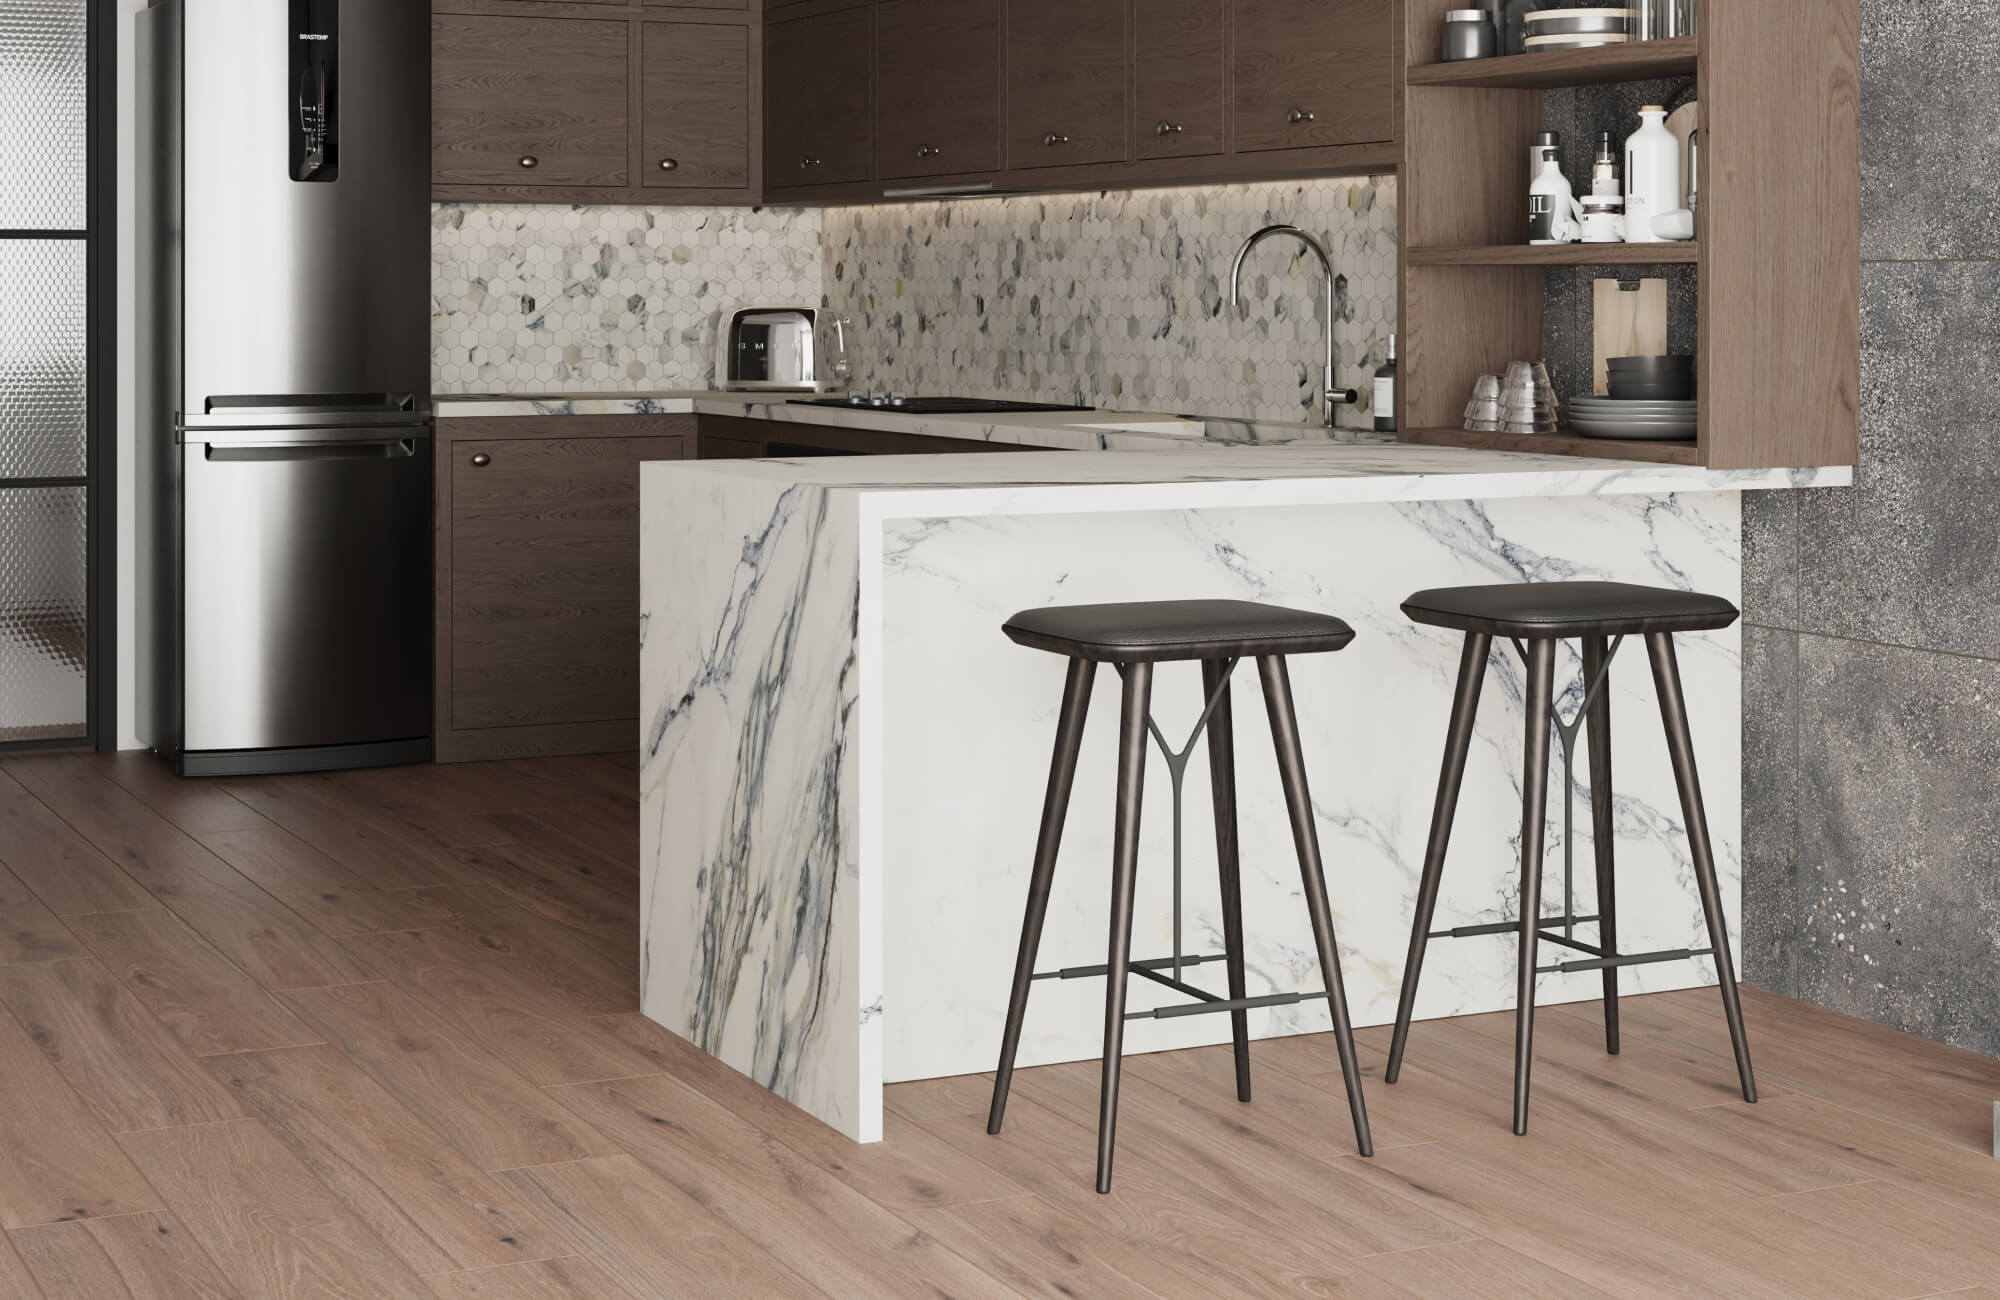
x=311 y=403
x=392 y=449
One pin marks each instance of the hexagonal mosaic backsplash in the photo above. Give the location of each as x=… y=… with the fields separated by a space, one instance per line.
x=603 y=299
x=1117 y=300
x=1111 y=300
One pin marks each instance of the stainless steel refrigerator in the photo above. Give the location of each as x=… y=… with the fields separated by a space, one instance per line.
x=284 y=453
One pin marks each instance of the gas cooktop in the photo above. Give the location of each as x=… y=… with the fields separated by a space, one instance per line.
x=932 y=405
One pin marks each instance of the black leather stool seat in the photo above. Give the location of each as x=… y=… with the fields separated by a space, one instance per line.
x=1155 y=630
x=1569 y=609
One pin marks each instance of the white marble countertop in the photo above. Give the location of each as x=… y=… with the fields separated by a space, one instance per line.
x=1057 y=430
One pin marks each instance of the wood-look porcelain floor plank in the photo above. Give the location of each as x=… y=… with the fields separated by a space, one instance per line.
x=825 y=1231
x=590 y=981
x=207 y=1002
x=132 y=1257
x=1474 y=1270
x=271 y=1227
x=574 y=1278
x=1040 y=1249
x=196 y=806
x=56 y=1161
x=650 y=1235
x=348 y=831
x=607 y=917
x=426 y=1201
x=29 y=931
x=496 y=1118
x=118 y=1057
x=63 y=869
x=335 y=900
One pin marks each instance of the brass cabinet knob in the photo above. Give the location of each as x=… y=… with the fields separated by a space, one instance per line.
x=481 y=461
x=1167 y=128
x=1299 y=116
x=529 y=161
x=670 y=164
x=928 y=151
x=1053 y=138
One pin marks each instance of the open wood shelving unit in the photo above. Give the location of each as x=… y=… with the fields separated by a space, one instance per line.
x=1779 y=327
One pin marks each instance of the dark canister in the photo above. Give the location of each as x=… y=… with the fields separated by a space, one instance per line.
x=1468 y=34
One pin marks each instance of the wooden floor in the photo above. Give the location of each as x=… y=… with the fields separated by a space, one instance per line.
x=374 y=1035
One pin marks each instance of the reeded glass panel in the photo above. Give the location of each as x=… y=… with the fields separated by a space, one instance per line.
x=42 y=395
x=42 y=119
x=42 y=613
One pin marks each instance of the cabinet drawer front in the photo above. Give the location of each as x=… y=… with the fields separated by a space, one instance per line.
x=696 y=79
x=545 y=579
x=1183 y=51
x=1066 y=82
x=938 y=76
x=529 y=101
x=818 y=92
x=1311 y=72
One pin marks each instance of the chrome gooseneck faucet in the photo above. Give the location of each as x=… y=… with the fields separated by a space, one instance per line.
x=1332 y=395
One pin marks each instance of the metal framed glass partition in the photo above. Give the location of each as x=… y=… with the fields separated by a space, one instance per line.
x=55 y=326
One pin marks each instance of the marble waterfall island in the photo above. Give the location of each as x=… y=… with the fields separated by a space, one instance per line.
x=844 y=759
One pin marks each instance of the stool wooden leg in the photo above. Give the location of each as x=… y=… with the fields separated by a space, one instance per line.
x=1055 y=806
x=1458 y=741
x=1603 y=830
x=1298 y=800
x=1534 y=807
x=1680 y=747
x=1222 y=781
x=1137 y=701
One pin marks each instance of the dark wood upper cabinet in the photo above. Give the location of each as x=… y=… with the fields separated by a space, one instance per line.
x=1179 y=73
x=938 y=73
x=819 y=99
x=1309 y=73
x=529 y=101
x=695 y=111
x=1068 y=63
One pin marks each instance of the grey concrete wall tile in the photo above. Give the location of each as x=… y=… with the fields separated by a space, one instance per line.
x=1771 y=558
x=1771 y=902
x=1928 y=120
x=1899 y=854
x=1911 y=554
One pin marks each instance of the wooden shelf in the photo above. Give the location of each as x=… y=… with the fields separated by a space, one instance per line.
x=1557 y=255
x=1637 y=61
x=1559 y=444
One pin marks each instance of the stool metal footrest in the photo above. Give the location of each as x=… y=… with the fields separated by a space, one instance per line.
x=1626 y=959
x=1502 y=927
x=1150 y=964
x=1222 y=1004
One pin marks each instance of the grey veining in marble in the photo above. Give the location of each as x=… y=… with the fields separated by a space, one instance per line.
x=1900 y=838
x=1911 y=555
x=1771 y=897
x=1928 y=115
x=1116 y=299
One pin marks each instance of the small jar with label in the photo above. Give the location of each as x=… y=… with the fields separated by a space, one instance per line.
x=1468 y=34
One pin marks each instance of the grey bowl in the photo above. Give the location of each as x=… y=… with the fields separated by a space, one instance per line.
x=1673 y=364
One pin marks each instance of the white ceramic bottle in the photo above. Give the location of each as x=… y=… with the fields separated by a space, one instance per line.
x=1652 y=175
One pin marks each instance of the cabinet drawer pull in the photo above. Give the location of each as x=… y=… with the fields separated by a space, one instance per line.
x=1167 y=128
x=1299 y=116
x=529 y=161
x=808 y=162
x=928 y=151
x=670 y=164
x=481 y=461
x=1054 y=138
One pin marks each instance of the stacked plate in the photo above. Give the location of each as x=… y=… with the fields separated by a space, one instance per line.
x=1655 y=420
x=1574 y=28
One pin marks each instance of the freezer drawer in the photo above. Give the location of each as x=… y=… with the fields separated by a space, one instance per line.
x=307 y=608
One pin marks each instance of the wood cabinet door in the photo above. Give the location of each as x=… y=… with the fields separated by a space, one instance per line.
x=1311 y=72
x=529 y=101
x=695 y=112
x=1067 y=67
x=545 y=578
x=938 y=72
x=818 y=99
x=1179 y=78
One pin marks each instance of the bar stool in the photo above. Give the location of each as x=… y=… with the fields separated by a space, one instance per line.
x=1535 y=616
x=1134 y=637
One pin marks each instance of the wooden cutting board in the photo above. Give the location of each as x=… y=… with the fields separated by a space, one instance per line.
x=1628 y=319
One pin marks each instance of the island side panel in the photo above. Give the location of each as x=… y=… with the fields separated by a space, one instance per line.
x=750 y=928
x=969 y=719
